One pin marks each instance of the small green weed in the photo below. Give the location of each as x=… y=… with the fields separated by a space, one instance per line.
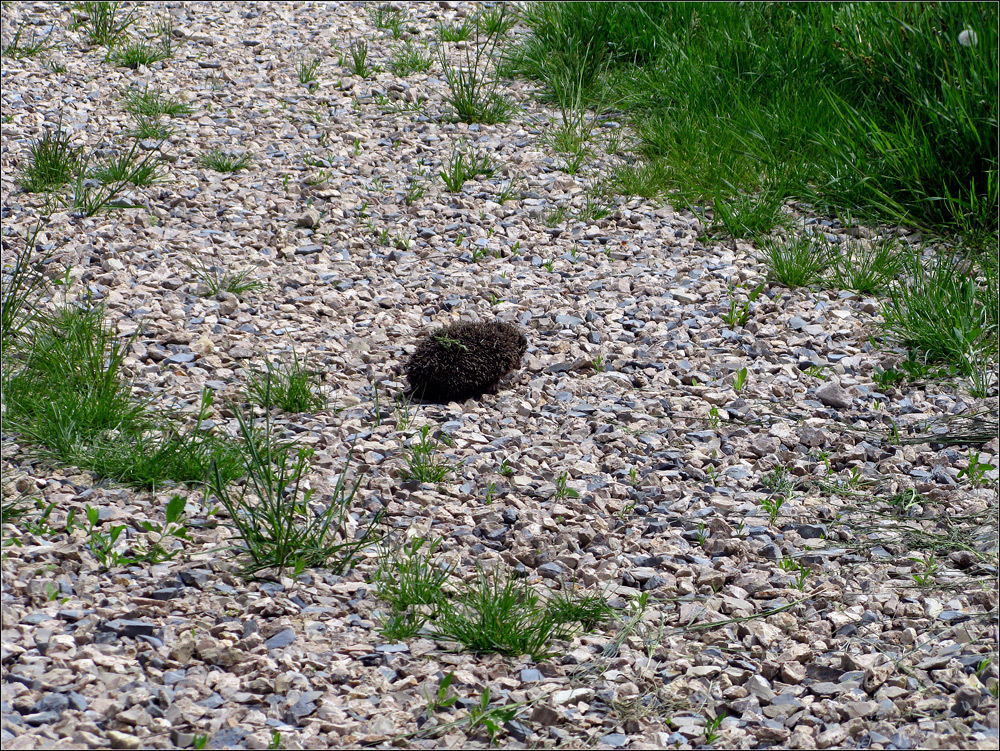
x=290 y=387
x=53 y=161
x=465 y=164
x=441 y=699
x=738 y=314
x=798 y=262
x=563 y=490
x=222 y=160
x=422 y=462
x=359 y=58
x=778 y=481
x=410 y=59
x=711 y=728
x=102 y=544
x=490 y=719
x=928 y=569
x=975 y=471
x=153 y=104
x=21 y=48
x=740 y=380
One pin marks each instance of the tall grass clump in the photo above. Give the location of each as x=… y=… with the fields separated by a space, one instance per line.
x=66 y=394
x=474 y=87
x=21 y=287
x=885 y=109
x=276 y=521
x=939 y=310
x=52 y=161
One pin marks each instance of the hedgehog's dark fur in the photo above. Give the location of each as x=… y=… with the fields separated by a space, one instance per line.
x=464 y=360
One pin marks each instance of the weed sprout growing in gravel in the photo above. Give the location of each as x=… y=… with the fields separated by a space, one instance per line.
x=474 y=90
x=53 y=160
x=274 y=516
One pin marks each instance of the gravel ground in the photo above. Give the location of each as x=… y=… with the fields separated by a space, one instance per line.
x=630 y=387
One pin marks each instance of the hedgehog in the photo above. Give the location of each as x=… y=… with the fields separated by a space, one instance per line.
x=464 y=360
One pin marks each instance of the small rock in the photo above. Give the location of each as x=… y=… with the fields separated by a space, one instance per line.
x=123 y=740
x=282 y=639
x=832 y=394
x=309 y=218
x=615 y=740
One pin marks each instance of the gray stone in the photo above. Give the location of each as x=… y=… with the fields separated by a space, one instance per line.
x=812 y=531
x=52 y=703
x=615 y=740
x=308 y=218
x=832 y=394
x=759 y=687
x=551 y=571
x=133 y=628
x=281 y=639
x=41 y=718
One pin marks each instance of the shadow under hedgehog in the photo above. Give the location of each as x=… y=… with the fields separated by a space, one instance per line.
x=464 y=360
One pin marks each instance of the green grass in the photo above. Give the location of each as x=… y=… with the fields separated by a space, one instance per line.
x=412 y=585
x=797 y=261
x=501 y=614
x=423 y=463
x=53 y=161
x=20 y=48
x=216 y=280
x=276 y=522
x=388 y=18
x=290 y=387
x=492 y=613
x=66 y=395
x=455 y=32
x=126 y=167
x=67 y=390
x=137 y=53
x=496 y=20
x=359 y=58
x=473 y=87
x=465 y=164
x=870 y=107
x=222 y=160
x=939 y=310
x=21 y=286
x=869 y=268
x=307 y=71
x=150 y=128
x=152 y=104
x=103 y=22
x=410 y=59
x=114 y=176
